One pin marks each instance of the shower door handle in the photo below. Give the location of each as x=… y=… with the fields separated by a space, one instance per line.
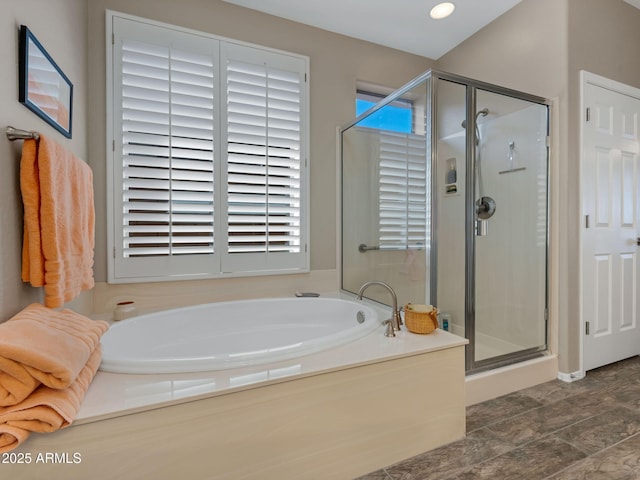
x=638 y=241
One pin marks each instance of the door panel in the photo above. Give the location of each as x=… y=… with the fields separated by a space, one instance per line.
x=602 y=279
x=609 y=249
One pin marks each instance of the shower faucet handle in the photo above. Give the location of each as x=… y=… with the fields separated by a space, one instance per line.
x=485 y=207
x=481 y=228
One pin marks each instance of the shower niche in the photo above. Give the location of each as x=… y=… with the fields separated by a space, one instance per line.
x=451 y=177
x=452 y=210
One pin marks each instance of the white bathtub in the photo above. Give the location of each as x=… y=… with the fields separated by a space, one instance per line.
x=225 y=335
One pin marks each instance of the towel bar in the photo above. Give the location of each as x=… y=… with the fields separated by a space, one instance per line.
x=17 y=134
x=363 y=248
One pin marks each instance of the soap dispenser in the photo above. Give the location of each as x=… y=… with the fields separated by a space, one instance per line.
x=451 y=177
x=452 y=174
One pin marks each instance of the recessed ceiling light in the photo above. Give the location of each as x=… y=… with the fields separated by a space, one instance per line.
x=442 y=10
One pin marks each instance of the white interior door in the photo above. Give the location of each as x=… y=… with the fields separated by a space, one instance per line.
x=610 y=274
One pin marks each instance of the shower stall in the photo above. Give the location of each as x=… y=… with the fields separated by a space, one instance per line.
x=445 y=198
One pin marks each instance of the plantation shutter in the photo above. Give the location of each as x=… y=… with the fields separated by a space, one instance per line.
x=265 y=169
x=208 y=172
x=403 y=187
x=165 y=150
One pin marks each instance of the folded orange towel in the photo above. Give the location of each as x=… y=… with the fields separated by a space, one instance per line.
x=59 y=221
x=40 y=345
x=11 y=437
x=46 y=409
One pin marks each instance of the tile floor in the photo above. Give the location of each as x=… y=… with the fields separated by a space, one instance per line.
x=589 y=429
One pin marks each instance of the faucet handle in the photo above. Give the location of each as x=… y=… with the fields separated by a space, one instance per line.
x=389 y=332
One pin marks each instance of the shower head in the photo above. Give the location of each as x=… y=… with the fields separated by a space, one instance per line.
x=481 y=113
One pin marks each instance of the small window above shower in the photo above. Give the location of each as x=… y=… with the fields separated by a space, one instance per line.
x=397 y=116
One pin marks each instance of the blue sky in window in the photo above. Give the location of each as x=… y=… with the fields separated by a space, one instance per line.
x=389 y=117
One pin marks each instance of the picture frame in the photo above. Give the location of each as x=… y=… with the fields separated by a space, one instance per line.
x=43 y=86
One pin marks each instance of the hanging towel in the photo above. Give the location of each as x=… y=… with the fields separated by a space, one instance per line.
x=41 y=345
x=59 y=220
x=46 y=409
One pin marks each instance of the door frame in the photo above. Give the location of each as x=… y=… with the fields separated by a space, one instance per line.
x=588 y=78
x=472 y=86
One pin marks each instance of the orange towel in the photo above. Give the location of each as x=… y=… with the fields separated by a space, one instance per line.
x=11 y=437
x=46 y=409
x=59 y=220
x=40 y=345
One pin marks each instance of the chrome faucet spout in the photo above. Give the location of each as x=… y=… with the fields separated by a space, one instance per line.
x=395 y=320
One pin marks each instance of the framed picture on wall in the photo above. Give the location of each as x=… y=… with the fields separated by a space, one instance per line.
x=44 y=88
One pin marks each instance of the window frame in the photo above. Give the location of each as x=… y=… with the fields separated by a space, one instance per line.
x=218 y=264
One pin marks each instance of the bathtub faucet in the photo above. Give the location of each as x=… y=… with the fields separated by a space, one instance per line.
x=393 y=324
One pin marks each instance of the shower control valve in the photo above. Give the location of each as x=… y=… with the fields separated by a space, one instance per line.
x=485 y=208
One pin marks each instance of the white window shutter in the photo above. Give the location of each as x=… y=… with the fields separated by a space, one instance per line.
x=164 y=151
x=208 y=174
x=265 y=172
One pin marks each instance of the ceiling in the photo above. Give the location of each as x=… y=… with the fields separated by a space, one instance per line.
x=400 y=24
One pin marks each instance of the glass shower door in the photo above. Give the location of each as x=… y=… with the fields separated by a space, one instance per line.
x=508 y=311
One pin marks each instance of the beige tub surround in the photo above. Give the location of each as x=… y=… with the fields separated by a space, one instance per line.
x=334 y=414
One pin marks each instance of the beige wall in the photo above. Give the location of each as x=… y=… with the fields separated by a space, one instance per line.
x=78 y=45
x=526 y=49
x=539 y=47
x=604 y=36
x=603 y=39
x=60 y=25
x=337 y=62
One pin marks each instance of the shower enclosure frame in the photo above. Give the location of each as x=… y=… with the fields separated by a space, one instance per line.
x=473 y=366
x=431 y=78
